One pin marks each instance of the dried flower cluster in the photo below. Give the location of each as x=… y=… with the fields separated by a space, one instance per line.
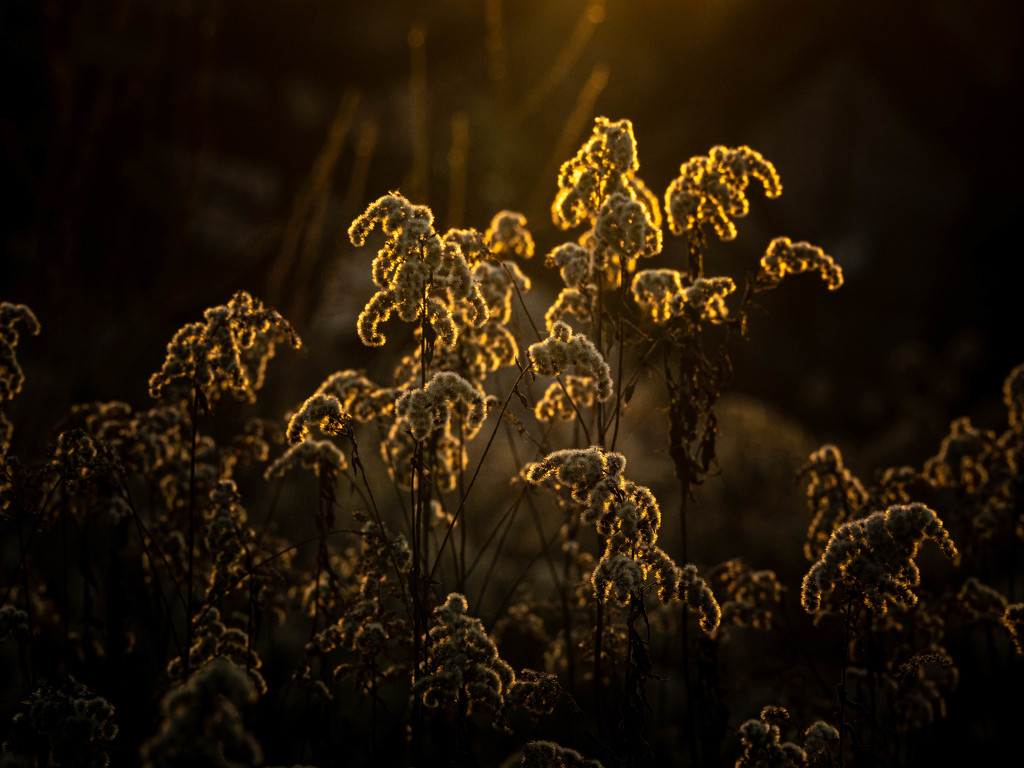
x=548 y=754
x=562 y=349
x=322 y=411
x=749 y=596
x=67 y=725
x=559 y=398
x=1013 y=621
x=784 y=257
x=11 y=317
x=763 y=746
x=507 y=236
x=835 y=497
x=664 y=294
x=226 y=352
x=627 y=517
x=462 y=661
x=871 y=560
x=365 y=616
x=11 y=375
x=603 y=167
x=416 y=273
x=711 y=189
x=215 y=641
x=1013 y=397
x=201 y=722
x=424 y=411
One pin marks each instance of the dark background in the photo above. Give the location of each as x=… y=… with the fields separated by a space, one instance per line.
x=157 y=156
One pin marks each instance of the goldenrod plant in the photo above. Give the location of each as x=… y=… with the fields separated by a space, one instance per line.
x=463 y=556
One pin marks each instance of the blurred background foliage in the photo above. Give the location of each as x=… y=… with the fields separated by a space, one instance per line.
x=158 y=155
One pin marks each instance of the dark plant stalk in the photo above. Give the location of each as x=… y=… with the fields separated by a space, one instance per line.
x=269 y=559
x=542 y=553
x=367 y=494
x=461 y=735
x=679 y=429
x=420 y=529
x=570 y=649
x=503 y=525
x=250 y=616
x=622 y=348
x=599 y=342
x=143 y=533
x=416 y=590
x=848 y=629
x=598 y=631
x=461 y=570
x=476 y=472
x=23 y=553
x=66 y=608
x=494 y=560
x=872 y=659
x=324 y=523
x=189 y=598
x=373 y=703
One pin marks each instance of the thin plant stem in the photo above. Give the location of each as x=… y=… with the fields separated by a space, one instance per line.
x=190 y=574
x=66 y=608
x=847 y=632
x=29 y=613
x=144 y=534
x=476 y=472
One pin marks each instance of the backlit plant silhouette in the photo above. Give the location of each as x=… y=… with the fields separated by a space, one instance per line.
x=460 y=565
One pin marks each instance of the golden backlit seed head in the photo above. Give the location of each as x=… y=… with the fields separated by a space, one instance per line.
x=623 y=225
x=415 y=271
x=498 y=283
x=598 y=171
x=562 y=348
x=711 y=189
x=557 y=402
x=1013 y=397
x=548 y=754
x=574 y=263
x=462 y=661
x=319 y=456
x=784 y=257
x=699 y=597
x=569 y=301
x=321 y=411
x=664 y=294
x=356 y=394
x=872 y=559
x=616 y=578
x=819 y=736
x=834 y=494
x=579 y=469
x=762 y=743
x=11 y=376
x=1013 y=621
x=429 y=409
x=507 y=236
x=226 y=352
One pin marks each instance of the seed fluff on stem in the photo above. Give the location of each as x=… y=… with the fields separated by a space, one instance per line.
x=226 y=352
x=872 y=559
x=711 y=189
x=415 y=271
x=562 y=349
x=429 y=409
x=784 y=257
